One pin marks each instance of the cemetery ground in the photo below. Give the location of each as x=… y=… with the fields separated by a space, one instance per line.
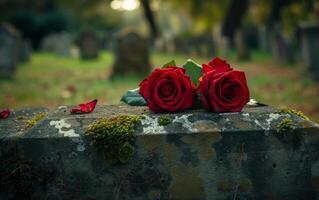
x=49 y=81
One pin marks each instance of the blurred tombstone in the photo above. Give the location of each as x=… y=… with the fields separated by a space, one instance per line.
x=89 y=44
x=131 y=54
x=206 y=46
x=9 y=50
x=281 y=49
x=202 y=46
x=24 y=50
x=181 y=45
x=159 y=44
x=241 y=45
x=225 y=47
x=310 y=48
x=264 y=38
x=108 y=40
x=59 y=43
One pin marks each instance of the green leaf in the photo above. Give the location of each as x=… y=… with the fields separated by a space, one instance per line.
x=193 y=70
x=133 y=98
x=170 y=63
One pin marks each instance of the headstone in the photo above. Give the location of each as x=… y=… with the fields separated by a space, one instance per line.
x=197 y=155
x=241 y=45
x=59 y=43
x=281 y=49
x=202 y=46
x=182 y=45
x=310 y=48
x=9 y=50
x=264 y=39
x=225 y=46
x=131 y=54
x=24 y=50
x=89 y=44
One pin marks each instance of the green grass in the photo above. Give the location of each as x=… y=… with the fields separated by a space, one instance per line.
x=50 y=81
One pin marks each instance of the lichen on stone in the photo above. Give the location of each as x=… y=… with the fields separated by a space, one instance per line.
x=293 y=112
x=33 y=121
x=20 y=117
x=164 y=120
x=285 y=125
x=113 y=136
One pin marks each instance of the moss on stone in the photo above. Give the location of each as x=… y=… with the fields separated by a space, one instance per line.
x=293 y=112
x=164 y=120
x=284 y=126
x=113 y=136
x=33 y=121
x=20 y=117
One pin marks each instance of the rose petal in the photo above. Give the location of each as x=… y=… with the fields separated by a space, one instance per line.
x=206 y=68
x=84 y=108
x=218 y=65
x=5 y=113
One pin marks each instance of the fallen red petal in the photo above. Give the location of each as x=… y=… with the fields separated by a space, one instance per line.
x=5 y=113
x=84 y=108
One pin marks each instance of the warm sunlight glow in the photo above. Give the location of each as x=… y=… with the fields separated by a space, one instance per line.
x=125 y=4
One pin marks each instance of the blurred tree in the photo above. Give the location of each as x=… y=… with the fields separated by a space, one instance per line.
x=234 y=15
x=296 y=12
x=149 y=15
x=205 y=13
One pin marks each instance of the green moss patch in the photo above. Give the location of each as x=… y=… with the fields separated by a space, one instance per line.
x=113 y=136
x=20 y=117
x=32 y=122
x=164 y=120
x=293 y=112
x=284 y=126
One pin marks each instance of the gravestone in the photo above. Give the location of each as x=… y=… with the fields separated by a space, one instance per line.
x=202 y=46
x=241 y=45
x=24 y=50
x=281 y=49
x=182 y=45
x=197 y=155
x=310 y=48
x=131 y=54
x=9 y=50
x=59 y=43
x=264 y=39
x=89 y=44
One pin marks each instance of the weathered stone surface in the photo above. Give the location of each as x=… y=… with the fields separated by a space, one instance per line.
x=200 y=155
x=16 y=125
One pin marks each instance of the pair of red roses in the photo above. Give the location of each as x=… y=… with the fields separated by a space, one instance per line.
x=221 y=89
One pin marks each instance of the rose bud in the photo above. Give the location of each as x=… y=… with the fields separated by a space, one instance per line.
x=221 y=88
x=168 y=90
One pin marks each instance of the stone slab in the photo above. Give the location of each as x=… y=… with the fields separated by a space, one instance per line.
x=16 y=124
x=200 y=155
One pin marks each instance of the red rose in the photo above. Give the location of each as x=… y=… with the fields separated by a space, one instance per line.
x=5 y=113
x=221 y=88
x=168 y=90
